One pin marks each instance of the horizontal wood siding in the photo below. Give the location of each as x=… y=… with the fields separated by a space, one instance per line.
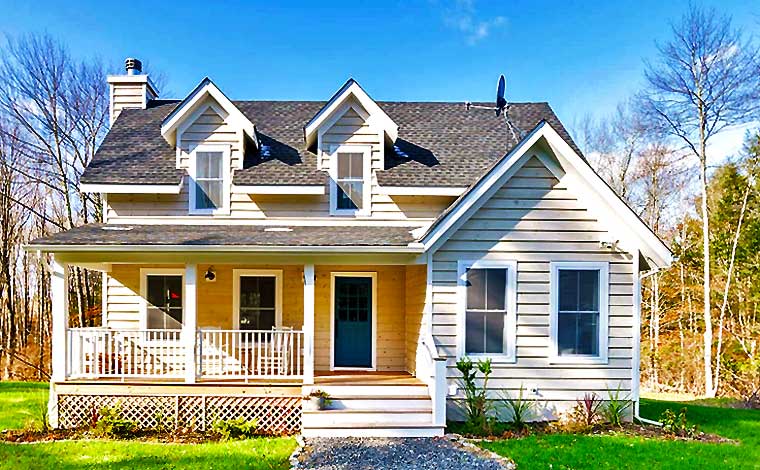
x=126 y=95
x=215 y=304
x=214 y=299
x=391 y=326
x=415 y=289
x=534 y=220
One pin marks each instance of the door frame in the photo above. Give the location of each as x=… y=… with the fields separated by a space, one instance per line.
x=373 y=276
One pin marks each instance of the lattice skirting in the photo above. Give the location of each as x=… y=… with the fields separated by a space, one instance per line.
x=274 y=414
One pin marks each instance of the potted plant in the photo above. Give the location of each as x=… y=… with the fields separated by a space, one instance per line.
x=317 y=400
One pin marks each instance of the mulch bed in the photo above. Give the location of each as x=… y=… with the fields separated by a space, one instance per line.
x=174 y=437
x=628 y=429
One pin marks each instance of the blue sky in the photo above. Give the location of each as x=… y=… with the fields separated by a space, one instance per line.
x=581 y=57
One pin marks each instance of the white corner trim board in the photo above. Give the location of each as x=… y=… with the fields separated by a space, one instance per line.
x=106 y=188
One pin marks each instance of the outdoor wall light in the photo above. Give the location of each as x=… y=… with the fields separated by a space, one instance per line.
x=210 y=275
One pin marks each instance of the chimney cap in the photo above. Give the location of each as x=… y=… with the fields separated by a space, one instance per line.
x=133 y=66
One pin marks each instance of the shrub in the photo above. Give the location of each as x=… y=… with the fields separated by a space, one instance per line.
x=238 y=428
x=586 y=411
x=164 y=423
x=616 y=408
x=477 y=408
x=677 y=424
x=519 y=408
x=110 y=424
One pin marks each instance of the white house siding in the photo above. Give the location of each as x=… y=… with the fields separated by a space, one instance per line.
x=534 y=220
x=211 y=128
x=126 y=95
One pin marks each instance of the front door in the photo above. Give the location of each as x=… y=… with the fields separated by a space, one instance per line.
x=353 y=322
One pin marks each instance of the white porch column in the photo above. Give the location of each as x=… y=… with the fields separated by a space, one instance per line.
x=59 y=294
x=189 y=324
x=308 y=324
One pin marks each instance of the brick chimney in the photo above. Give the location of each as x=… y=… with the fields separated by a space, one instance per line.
x=131 y=90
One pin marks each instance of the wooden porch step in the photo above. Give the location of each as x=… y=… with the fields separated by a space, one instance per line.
x=378 y=417
x=374 y=430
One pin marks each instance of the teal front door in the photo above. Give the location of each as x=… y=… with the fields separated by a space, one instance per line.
x=353 y=322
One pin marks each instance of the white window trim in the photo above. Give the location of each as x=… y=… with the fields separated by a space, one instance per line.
x=144 y=273
x=237 y=274
x=510 y=324
x=366 y=150
x=369 y=274
x=226 y=178
x=604 y=311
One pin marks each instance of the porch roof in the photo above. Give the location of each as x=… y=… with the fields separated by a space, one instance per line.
x=102 y=237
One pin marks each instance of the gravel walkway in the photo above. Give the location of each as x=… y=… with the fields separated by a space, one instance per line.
x=393 y=453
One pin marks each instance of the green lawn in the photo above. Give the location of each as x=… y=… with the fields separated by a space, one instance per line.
x=20 y=402
x=608 y=452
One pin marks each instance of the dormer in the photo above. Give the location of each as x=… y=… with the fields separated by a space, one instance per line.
x=349 y=135
x=210 y=135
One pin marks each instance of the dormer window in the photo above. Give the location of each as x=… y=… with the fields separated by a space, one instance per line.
x=210 y=174
x=349 y=193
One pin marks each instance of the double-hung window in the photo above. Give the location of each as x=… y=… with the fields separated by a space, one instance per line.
x=579 y=311
x=258 y=299
x=209 y=192
x=489 y=298
x=350 y=173
x=162 y=291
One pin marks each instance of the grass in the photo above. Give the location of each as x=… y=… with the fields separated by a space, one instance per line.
x=569 y=451
x=22 y=401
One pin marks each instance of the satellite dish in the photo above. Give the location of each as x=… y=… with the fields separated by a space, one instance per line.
x=501 y=102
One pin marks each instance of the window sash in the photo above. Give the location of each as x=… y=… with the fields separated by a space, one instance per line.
x=163 y=311
x=578 y=330
x=349 y=181
x=253 y=302
x=209 y=180
x=494 y=336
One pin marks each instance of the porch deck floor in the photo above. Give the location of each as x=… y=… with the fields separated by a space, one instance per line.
x=340 y=377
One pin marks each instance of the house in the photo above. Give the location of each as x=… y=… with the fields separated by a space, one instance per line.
x=255 y=251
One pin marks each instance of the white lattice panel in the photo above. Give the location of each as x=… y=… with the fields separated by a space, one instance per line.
x=274 y=415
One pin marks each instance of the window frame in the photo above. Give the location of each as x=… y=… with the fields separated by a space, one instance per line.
x=237 y=274
x=604 y=297
x=226 y=151
x=510 y=323
x=366 y=151
x=144 y=273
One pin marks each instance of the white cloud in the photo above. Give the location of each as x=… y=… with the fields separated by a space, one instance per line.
x=461 y=15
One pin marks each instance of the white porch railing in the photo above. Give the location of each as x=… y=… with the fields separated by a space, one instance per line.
x=102 y=352
x=431 y=368
x=219 y=354
x=250 y=354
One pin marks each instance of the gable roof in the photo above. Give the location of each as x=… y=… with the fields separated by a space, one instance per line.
x=206 y=88
x=439 y=144
x=579 y=174
x=351 y=88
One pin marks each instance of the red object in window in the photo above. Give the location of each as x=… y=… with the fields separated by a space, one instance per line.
x=173 y=295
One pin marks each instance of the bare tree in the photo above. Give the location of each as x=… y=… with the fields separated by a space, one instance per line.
x=60 y=108
x=706 y=79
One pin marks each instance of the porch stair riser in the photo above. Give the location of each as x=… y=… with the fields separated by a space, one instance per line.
x=362 y=410
x=368 y=431
x=346 y=417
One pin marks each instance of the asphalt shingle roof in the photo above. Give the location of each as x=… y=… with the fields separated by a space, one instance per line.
x=439 y=144
x=228 y=235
